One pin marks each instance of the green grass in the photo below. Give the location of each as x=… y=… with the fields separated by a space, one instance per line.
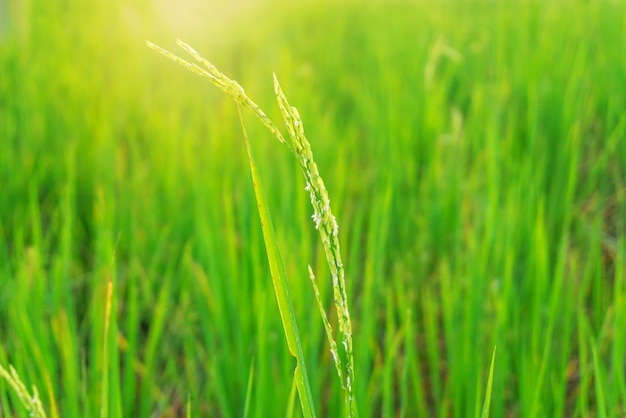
x=474 y=155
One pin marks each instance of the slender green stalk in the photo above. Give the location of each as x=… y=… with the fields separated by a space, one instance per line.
x=326 y=224
x=485 y=413
x=246 y=408
x=106 y=340
x=281 y=286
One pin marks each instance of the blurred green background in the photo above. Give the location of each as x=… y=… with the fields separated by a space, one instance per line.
x=475 y=156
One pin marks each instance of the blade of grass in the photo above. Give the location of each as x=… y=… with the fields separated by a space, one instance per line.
x=487 y=404
x=289 y=413
x=281 y=286
x=246 y=408
x=104 y=412
x=599 y=379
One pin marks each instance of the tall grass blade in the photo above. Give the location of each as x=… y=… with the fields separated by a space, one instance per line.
x=281 y=286
x=487 y=404
x=246 y=408
x=291 y=404
x=104 y=397
x=599 y=378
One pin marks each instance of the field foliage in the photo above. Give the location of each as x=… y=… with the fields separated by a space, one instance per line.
x=474 y=154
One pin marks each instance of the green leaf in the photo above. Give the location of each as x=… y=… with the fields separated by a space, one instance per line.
x=281 y=286
x=487 y=404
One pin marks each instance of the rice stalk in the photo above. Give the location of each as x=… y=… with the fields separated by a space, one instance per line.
x=325 y=221
x=326 y=224
x=31 y=402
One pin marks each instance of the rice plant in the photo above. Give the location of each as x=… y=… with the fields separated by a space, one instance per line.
x=325 y=223
x=30 y=401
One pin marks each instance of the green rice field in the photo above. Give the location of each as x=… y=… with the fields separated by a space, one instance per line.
x=474 y=153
